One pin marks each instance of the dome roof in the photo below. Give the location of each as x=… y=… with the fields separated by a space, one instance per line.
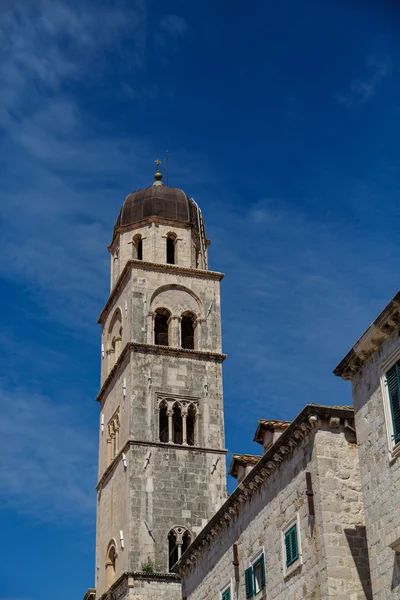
x=157 y=200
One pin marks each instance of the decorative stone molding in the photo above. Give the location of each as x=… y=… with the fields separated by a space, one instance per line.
x=151 y=348
x=149 y=266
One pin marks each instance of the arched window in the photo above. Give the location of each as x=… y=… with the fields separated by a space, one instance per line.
x=178 y=541
x=191 y=426
x=163 y=423
x=177 y=424
x=171 y=243
x=172 y=549
x=187 y=330
x=137 y=247
x=186 y=540
x=110 y=565
x=161 y=326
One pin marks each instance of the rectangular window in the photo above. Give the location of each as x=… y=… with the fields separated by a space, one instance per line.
x=254 y=577
x=393 y=383
x=291 y=545
x=226 y=594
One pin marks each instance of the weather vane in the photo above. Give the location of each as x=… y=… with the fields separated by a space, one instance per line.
x=158 y=163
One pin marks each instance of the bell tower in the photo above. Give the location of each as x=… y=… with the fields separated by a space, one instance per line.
x=161 y=450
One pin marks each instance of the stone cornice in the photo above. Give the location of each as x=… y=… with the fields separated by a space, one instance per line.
x=127 y=580
x=131 y=442
x=310 y=417
x=149 y=266
x=371 y=340
x=153 y=349
x=90 y=594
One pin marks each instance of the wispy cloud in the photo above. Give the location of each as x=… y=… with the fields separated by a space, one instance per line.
x=363 y=89
x=48 y=458
x=171 y=29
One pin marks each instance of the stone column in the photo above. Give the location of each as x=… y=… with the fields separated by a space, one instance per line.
x=170 y=433
x=184 y=412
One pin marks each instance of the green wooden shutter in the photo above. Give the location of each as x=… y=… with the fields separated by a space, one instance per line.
x=248 y=580
x=262 y=566
x=288 y=549
x=291 y=545
x=227 y=594
x=294 y=543
x=392 y=377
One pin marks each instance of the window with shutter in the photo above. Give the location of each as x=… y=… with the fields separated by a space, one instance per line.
x=291 y=546
x=258 y=574
x=393 y=382
x=226 y=595
x=248 y=581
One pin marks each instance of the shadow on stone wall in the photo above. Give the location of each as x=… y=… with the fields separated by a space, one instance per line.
x=357 y=540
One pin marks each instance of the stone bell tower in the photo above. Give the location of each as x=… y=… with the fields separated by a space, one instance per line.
x=161 y=450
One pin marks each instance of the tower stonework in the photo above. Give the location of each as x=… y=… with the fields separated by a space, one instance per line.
x=161 y=451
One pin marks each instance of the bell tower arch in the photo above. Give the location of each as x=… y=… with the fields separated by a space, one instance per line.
x=161 y=450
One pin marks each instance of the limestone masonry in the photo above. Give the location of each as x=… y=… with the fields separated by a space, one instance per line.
x=315 y=514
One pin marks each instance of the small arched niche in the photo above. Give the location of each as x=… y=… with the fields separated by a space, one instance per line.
x=188 y=330
x=111 y=560
x=171 y=248
x=114 y=338
x=161 y=327
x=137 y=247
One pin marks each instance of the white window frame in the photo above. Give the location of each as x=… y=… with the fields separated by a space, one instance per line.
x=294 y=566
x=252 y=562
x=226 y=587
x=393 y=449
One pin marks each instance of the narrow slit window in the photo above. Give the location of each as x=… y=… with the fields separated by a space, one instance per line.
x=161 y=326
x=187 y=331
x=185 y=541
x=170 y=250
x=163 y=424
x=190 y=426
x=177 y=425
x=137 y=247
x=172 y=549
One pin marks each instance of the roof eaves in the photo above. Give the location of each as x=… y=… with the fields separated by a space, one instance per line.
x=371 y=340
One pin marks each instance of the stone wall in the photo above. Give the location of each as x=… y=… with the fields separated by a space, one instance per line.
x=140 y=586
x=332 y=544
x=154 y=235
x=380 y=471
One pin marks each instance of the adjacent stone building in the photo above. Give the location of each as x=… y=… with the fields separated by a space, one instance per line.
x=294 y=526
x=373 y=367
x=162 y=469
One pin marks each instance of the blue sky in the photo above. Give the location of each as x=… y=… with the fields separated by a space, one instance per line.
x=282 y=121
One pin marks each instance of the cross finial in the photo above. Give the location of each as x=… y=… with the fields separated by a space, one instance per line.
x=158 y=175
